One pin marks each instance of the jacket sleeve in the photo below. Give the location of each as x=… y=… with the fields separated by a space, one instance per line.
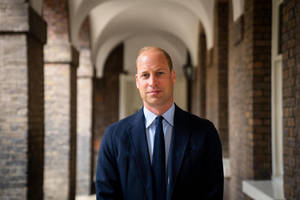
x=107 y=177
x=214 y=165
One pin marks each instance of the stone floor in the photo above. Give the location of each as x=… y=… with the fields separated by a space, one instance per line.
x=92 y=197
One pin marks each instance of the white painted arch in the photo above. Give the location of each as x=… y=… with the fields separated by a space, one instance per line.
x=80 y=9
x=37 y=5
x=112 y=21
x=171 y=44
x=139 y=20
x=238 y=8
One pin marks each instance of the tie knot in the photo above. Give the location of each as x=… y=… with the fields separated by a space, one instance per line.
x=159 y=119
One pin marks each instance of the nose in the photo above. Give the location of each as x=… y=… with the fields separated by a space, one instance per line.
x=152 y=80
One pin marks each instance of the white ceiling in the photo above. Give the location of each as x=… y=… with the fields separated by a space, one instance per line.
x=171 y=24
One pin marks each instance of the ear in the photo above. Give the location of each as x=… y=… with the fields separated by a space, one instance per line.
x=173 y=76
x=137 y=80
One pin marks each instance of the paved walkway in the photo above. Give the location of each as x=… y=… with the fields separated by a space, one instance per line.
x=92 y=197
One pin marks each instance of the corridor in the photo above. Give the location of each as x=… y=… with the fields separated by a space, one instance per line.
x=67 y=71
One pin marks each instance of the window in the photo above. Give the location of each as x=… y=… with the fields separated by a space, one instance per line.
x=273 y=189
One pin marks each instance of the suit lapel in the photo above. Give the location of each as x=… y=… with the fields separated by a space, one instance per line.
x=141 y=152
x=179 y=142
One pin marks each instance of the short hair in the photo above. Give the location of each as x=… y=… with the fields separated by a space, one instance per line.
x=148 y=48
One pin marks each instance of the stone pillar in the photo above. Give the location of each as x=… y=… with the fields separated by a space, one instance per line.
x=291 y=97
x=61 y=62
x=199 y=82
x=250 y=95
x=217 y=76
x=22 y=36
x=106 y=96
x=84 y=129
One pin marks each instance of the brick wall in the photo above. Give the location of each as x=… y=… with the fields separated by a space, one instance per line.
x=61 y=61
x=22 y=36
x=84 y=137
x=202 y=70
x=198 y=100
x=55 y=13
x=35 y=118
x=106 y=96
x=291 y=97
x=250 y=95
x=217 y=77
x=84 y=116
x=60 y=116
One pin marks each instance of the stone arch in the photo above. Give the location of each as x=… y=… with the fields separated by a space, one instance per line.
x=143 y=24
x=165 y=42
x=238 y=8
x=60 y=79
x=37 y=5
x=201 y=9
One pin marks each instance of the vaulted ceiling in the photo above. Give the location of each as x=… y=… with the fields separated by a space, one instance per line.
x=170 y=24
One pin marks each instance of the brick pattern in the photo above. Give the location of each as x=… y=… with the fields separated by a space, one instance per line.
x=84 y=137
x=250 y=96
x=61 y=61
x=85 y=154
x=106 y=96
x=84 y=35
x=60 y=118
x=73 y=125
x=260 y=64
x=36 y=123
x=13 y=117
x=84 y=129
x=291 y=97
x=222 y=62
x=195 y=92
x=55 y=12
x=217 y=77
x=199 y=83
x=239 y=104
x=202 y=71
x=21 y=102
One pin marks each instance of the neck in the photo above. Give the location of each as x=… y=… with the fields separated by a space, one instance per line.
x=159 y=110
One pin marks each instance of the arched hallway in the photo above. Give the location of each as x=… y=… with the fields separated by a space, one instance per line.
x=67 y=71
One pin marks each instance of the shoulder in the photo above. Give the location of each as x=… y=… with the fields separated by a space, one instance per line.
x=201 y=122
x=200 y=128
x=192 y=120
x=118 y=129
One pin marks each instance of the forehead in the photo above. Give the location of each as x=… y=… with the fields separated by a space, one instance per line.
x=152 y=58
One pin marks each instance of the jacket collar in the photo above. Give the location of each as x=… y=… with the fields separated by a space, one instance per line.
x=141 y=152
x=179 y=142
x=180 y=138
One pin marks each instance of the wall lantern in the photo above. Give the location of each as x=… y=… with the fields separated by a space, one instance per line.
x=188 y=69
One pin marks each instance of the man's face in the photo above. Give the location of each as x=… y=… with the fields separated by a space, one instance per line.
x=154 y=80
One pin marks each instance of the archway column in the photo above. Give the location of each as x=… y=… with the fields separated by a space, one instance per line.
x=249 y=106
x=217 y=76
x=61 y=61
x=22 y=36
x=199 y=82
x=84 y=120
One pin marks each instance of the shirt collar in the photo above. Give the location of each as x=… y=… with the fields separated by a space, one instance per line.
x=168 y=116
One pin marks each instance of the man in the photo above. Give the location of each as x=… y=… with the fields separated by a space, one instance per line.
x=174 y=156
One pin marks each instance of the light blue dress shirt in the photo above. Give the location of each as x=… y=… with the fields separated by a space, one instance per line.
x=168 y=124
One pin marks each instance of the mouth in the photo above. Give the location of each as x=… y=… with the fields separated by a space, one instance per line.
x=154 y=92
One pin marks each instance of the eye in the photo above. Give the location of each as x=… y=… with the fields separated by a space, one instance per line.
x=144 y=75
x=160 y=73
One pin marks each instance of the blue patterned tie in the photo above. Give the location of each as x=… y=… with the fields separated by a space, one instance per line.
x=158 y=161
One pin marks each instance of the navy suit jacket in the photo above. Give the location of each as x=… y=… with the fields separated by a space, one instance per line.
x=195 y=168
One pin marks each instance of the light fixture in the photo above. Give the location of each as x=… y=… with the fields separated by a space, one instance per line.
x=188 y=69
